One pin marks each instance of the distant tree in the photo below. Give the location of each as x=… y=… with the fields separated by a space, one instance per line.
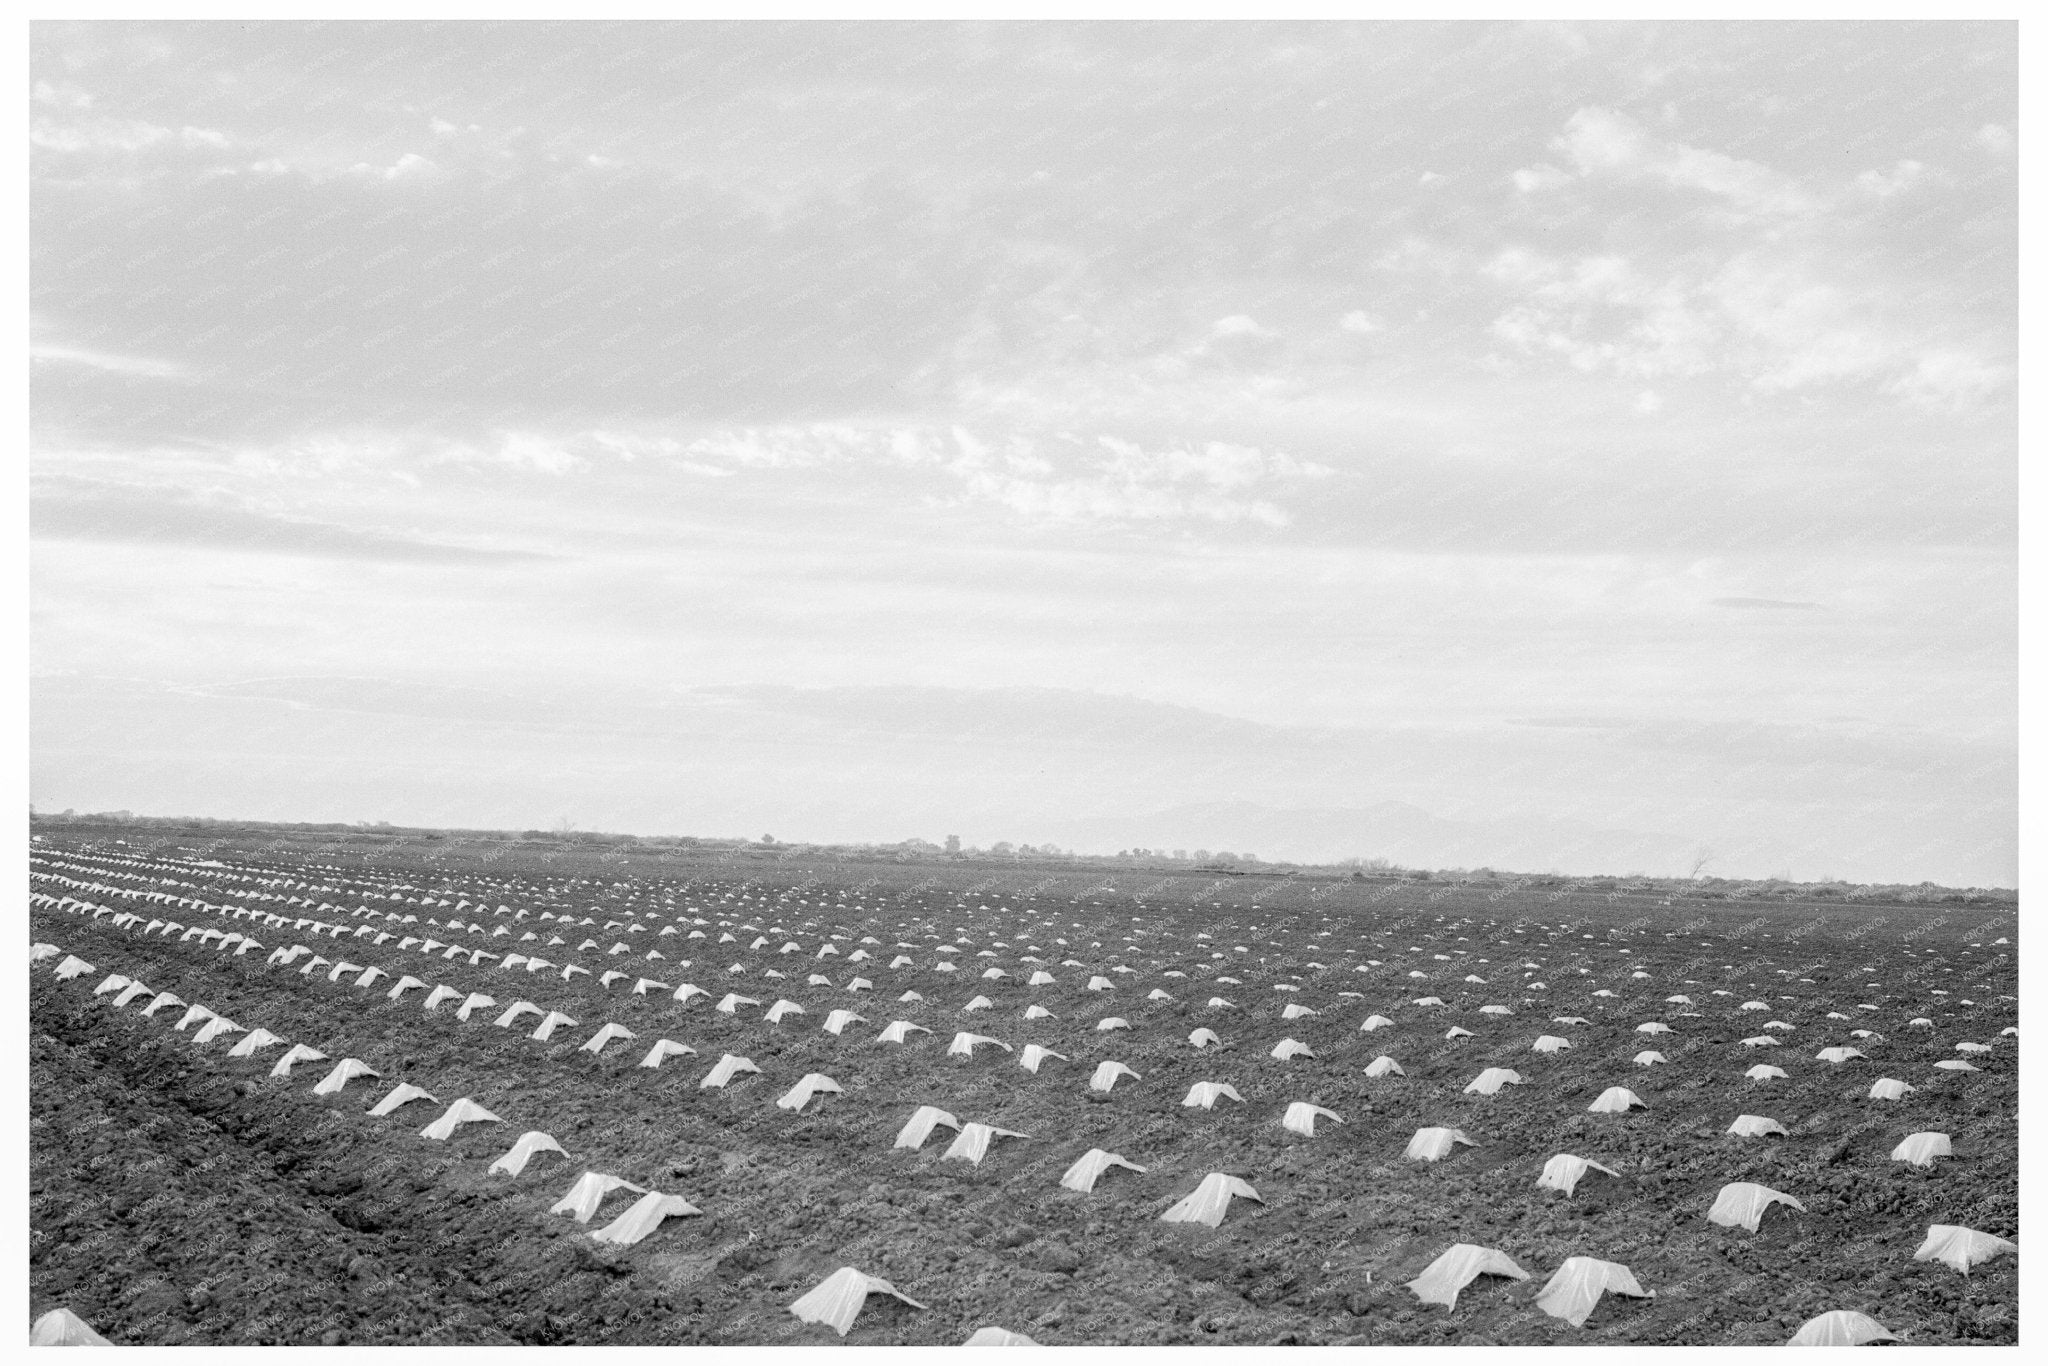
x=767 y=839
x=952 y=844
x=1002 y=847
x=1180 y=854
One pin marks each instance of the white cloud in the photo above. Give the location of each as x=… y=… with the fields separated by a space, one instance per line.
x=409 y=166
x=1214 y=481
x=1806 y=330
x=1027 y=466
x=779 y=448
x=1995 y=139
x=908 y=447
x=104 y=360
x=1542 y=176
x=403 y=454
x=1419 y=253
x=1603 y=142
x=120 y=135
x=1951 y=379
x=60 y=96
x=630 y=446
x=1664 y=263
x=1521 y=267
x=1600 y=313
x=1774 y=303
x=1221 y=465
x=1885 y=184
x=1057 y=478
x=1100 y=499
x=1238 y=325
x=1776 y=323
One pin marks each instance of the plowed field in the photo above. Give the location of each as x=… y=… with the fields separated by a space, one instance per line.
x=181 y=1195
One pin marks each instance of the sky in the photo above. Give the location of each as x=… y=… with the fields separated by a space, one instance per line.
x=1597 y=442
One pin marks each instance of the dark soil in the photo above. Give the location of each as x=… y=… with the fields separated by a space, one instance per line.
x=179 y=1195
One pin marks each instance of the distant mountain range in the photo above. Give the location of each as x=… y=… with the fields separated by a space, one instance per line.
x=1403 y=834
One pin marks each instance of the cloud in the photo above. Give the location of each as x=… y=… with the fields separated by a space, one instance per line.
x=1602 y=313
x=1769 y=296
x=410 y=166
x=1219 y=464
x=800 y=379
x=1358 y=322
x=1602 y=142
x=1766 y=605
x=1237 y=344
x=98 y=512
x=514 y=296
x=1207 y=482
x=120 y=135
x=1238 y=325
x=529 y=451
x=1851 y=745
x=143 y=367
x=1954 y=379
x=631 y=446
x=1046 y=477
x=1805 y=329
x=1769 y=317
x=383 y=696
x=808 y=447
x=1095 y=499
x=1884 y=184
x=1995 y=139
x=60 y=95
x=1544 y=176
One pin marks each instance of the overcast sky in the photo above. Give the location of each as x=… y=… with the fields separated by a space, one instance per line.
x=889 y=430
